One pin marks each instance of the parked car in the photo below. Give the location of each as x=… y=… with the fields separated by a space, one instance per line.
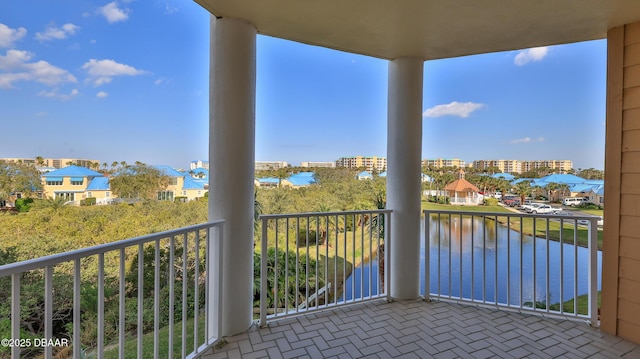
x=524 y=205
x=600 y=221
x=511 y=201
x=529 y=208
x=572 y=201
x=545 y=209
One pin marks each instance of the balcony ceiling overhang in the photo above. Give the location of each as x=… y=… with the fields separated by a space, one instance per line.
x=431 y=29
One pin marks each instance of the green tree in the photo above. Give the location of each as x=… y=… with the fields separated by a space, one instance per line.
x=139 y=181
x=523 y=189
x=18 y=178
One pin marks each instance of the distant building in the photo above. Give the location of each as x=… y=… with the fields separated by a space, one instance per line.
x=563 y=166
x=443 y=162
x=199 y=164
x=505 y=166
x=270 y=165
x=318 y=164
x=56 y=162
x=364 y=175
x=75 y=183
x=301 y=179
x=369 y=163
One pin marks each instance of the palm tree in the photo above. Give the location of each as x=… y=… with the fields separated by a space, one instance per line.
x=552 y=188
x=564 y=188
x=523 y=189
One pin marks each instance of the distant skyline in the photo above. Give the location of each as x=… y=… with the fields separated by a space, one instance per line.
x=128 y=81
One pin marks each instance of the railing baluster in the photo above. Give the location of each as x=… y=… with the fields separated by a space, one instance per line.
x=575 y=227
x=427 y=256
x=387 y=256
x=15 y=313
x=297 y=234
x=335 y=264
x=547 y=289
x=495 y=257
x=317 y=260
x=508 y=261
x=263 y=272
x=535 y=282
x=140 y=297
x=172 y=293
x=327 y=292
x=575 y=271
x=449 y=253
x=275 y=273
x=196 y=292
x=484 y=258
x=286 y=268
x=77 y=346
x=156 y=299
x=521 y=260
x=473 y=268
x=183 y=345
x=593 y=275
x=439 y=272
x=353 y=263
x=48 y=308
x=100 y=305
x=362 y=220
x=460 y=259
x=121 y=305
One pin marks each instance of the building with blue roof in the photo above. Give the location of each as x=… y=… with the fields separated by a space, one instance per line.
x=76 y=183
x=71 y=183
x=301 y=179
x=504 y=176
x=267 y=182
x=364 y=175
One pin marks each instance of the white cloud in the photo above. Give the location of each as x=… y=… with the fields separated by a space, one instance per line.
x=57 y=33
x=458 y=109
x=18 y=68
x=55 y=94
x=8 y=35
x=103 y=71
x=168 y=9
x=102 y=94
x=526 y=140
x=530 y=55
x=113 y=13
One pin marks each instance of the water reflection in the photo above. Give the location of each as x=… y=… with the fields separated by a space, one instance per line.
x=490 y=261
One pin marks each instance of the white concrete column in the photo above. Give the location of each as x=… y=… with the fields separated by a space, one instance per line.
x=404 y=152
x=232 y=91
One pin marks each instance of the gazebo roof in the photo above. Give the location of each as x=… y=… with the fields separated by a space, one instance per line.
x=461 y=185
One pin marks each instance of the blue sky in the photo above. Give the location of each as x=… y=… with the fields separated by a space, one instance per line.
x=128 y=80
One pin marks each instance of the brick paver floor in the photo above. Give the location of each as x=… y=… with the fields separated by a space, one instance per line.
x=417 y=329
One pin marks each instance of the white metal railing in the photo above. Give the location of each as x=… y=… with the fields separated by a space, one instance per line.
x=179 y=261
x=316 y=261
x=487 y=259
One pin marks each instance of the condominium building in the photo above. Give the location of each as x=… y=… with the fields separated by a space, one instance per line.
x=369 y=163
x=199 y=164
x=506 y=166
x=443 y=162
x=55 y=162
x=562 y=165
x=318 y=164
x=517 y=166
x=270 y=165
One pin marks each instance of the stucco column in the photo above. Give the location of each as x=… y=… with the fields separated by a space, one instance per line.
x=404 y=152
x=232 y=87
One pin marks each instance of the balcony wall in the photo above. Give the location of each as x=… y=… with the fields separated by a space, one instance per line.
x=621 y=269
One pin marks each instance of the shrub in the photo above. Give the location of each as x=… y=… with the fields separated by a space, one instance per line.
x=180 y=199
x=589 y=205
x=24 y=204
x=91 y=201
x=490 y=201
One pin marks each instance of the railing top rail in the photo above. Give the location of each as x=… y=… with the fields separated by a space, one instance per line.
x=24 y=266
x=511 y=214
x=315 y=214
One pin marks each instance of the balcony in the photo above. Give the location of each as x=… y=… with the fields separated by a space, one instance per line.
x=493 y=290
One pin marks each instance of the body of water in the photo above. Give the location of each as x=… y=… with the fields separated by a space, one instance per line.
x=493 y=255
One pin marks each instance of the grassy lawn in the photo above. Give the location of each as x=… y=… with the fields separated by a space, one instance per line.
x=336 y=255
x=568 y=230
x=131 y=344
x=583 y=305
x=448 y=207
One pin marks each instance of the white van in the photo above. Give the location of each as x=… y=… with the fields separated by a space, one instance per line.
x=572 y=201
